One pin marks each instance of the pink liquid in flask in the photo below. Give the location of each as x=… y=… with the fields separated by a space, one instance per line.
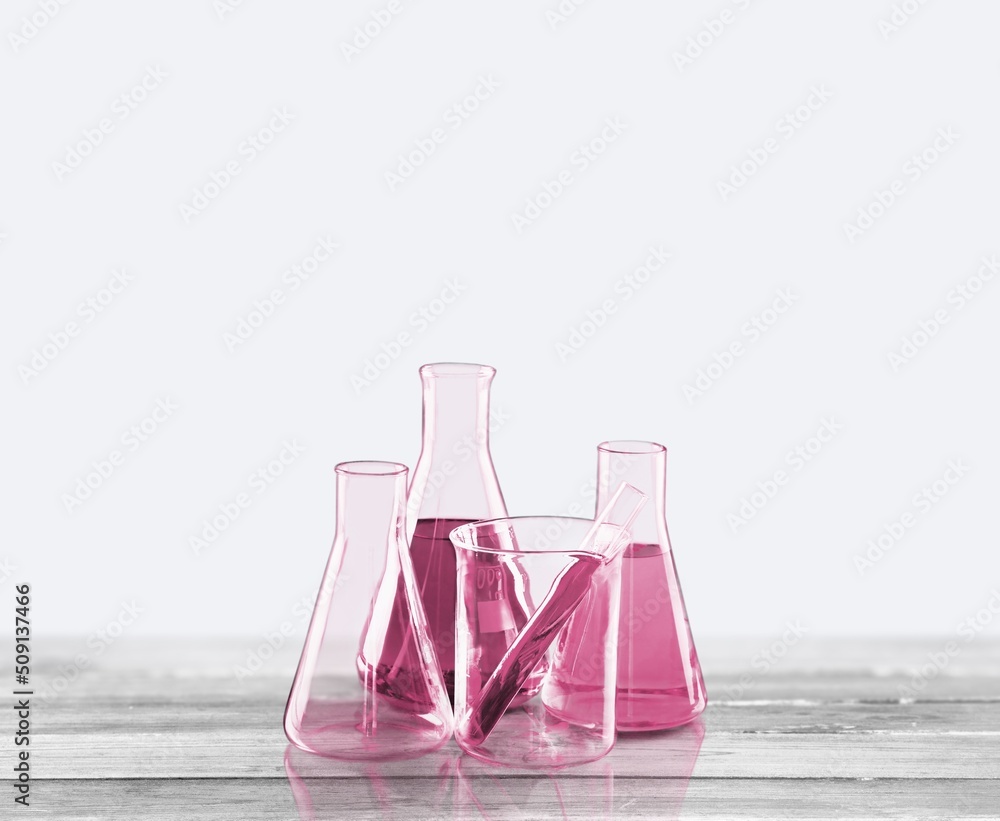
x=447 y=492
x=433 y=557
x=659 y=678
x=434 y=569
x=398 y=673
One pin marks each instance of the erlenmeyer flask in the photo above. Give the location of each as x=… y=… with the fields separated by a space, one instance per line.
x=351 y=698
x=660 y=683
x=453 y=483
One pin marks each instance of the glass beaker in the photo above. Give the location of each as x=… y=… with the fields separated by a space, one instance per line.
x=453 y=483
x=660 y=683
x=537 y=563
x=351 y=698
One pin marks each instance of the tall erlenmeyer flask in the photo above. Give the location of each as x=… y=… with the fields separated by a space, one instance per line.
x=660 y=683
x=453 y=483
x=351 y=697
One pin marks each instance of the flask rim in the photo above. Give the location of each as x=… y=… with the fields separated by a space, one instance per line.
x=438 y=369
x=370 y=468
x=637 y=447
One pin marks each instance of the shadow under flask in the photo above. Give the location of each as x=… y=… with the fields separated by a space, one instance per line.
x=454 y=483
x=660 y=683
x=368 y=686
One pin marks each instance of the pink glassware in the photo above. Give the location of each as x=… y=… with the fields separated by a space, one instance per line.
x=352 y=698
x=660 y=683
x=453 y=483
x=563 y=572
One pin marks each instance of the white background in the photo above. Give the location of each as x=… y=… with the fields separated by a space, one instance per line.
x=524 y=292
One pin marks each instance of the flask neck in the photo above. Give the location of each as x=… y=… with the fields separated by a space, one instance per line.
x=371 y=504
x=456 y=409
x=643 y=465
x=454 y=476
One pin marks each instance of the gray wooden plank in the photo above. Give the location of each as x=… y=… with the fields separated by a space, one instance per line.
x=248 y=753
x=456 y=796
x=210 y=713
x=824 y=735
x=218 y=657
x=151 y=726
x=800 y=686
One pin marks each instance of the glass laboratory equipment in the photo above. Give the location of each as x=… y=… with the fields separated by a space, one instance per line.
x=564 y=572
x=368 y=685
x=660 y=683
x=453 y=483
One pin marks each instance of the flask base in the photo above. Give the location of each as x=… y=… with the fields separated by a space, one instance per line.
x=646 y=710
x=342 y=730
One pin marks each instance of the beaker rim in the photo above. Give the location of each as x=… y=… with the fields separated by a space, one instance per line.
x=371 y=467
x=636 y=446
x=566 y=551
x=457 y=369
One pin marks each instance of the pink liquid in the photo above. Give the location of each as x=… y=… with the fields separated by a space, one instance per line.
x=509 y=678
x=659 y=683
x=659 y=679
x=433 y=557
x=399 y=673
x=434 y=566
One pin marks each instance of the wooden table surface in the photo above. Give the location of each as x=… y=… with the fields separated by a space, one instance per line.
x=165 y=730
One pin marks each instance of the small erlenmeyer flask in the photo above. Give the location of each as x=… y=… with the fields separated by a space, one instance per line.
x=660 y=682
x=351 y=697
x=453 y=483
